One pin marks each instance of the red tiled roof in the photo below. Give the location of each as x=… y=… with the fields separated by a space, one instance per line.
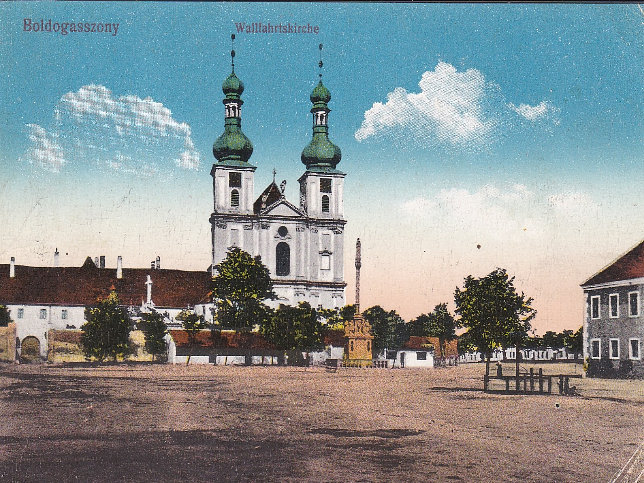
x=417 y=343
x=222 y=340
x=84 y=285
x=626 y=267
x=272 y=194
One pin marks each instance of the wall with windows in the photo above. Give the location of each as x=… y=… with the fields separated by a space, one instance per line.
x=614 y=328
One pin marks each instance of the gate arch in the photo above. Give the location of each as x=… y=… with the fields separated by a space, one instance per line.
x=30 y=349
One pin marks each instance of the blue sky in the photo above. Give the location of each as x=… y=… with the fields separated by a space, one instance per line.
x=513 y=127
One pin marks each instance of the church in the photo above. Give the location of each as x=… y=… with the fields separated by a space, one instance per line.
x=301 y=244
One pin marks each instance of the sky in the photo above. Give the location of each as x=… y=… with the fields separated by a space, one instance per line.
x=473 y=136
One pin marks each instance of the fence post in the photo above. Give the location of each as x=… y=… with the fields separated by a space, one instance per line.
x=531 y=379
x=540 y=380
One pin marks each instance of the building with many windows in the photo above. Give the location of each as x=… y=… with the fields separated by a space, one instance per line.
x=614 y=319
x=301 y=244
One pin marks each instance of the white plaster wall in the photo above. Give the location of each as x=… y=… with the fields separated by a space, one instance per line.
x=412 y=361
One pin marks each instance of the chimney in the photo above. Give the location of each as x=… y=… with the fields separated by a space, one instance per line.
x=119 y=267
x=56 y=258
x=158 y=262
x=96 y=262
x=102 y=261
x=148 y=285
x=152 y=264
x=12 y=268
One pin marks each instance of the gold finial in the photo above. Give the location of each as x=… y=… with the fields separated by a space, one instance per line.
x=321 y=63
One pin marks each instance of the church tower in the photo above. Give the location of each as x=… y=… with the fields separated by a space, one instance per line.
x=233 y=175
x=322 y=184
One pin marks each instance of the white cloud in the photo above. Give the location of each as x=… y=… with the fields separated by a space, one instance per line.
x=44 y=150
x=452 y=109
x=97 y=122
x=542 y=110
x=508 y=216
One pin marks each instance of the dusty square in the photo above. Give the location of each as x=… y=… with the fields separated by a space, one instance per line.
x=211 y=423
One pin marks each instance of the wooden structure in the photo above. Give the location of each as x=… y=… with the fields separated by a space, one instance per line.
x=531 y=383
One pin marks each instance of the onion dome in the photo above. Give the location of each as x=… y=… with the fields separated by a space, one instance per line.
x=321 y=154
x=232 y=86
x=320 y=95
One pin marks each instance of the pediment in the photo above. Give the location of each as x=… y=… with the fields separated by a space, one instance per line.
x=282 y=208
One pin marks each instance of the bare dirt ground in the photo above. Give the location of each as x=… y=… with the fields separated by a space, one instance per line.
x=212 y=423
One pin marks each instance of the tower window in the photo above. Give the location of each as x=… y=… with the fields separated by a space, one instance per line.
x=325 y=203
x=282 y=259
x=325 y=185
x=325 y=263
x=282 y=231
x=234 y=180
x=234 y=198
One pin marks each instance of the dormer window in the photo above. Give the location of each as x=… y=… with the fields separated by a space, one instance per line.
x=234 y=198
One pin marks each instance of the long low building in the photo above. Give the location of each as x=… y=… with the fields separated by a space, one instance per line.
x=40 y=299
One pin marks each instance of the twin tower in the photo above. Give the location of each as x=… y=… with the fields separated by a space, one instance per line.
x=301 y=245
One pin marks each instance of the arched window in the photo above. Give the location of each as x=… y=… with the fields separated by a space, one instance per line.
x=282 y=259
x=325 y=203
x=234 y=198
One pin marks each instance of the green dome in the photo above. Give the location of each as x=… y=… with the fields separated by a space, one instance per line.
x=232 y=145
x=232 y=85
x=321 y=153
x=320 y=94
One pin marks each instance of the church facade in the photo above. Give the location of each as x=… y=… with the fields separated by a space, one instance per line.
x=301 y=244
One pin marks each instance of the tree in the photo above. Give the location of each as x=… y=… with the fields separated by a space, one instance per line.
x=5 y=316
x=335 y=318
x=575 y=342
x=294 y=328
x=389 y=330
x=154 y=327
x=192 y=324
x=441 y=325
x=493 y=312
x=107 y=330
x=241 y=285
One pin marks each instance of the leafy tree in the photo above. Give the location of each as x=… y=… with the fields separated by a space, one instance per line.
x=466 y=344
x=493 y=312
x=241 y=285
x=335 y=318
x=389 y=330
x=154 y=327
x=441 y=325
x=575 y=342
x=552 y=339
x=294 y=328
x=419 y=327
x=192 y=324
x=107 y=330
x=5 y=316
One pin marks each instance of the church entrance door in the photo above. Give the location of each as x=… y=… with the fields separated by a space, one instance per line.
x=30 y=349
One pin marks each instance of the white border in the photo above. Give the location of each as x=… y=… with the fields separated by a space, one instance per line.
x=599 y=307
x=630 y=349
x=610 y=349
x=638 y=304
x=610 y=306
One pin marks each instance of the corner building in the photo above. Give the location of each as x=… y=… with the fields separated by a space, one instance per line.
x=302 y=245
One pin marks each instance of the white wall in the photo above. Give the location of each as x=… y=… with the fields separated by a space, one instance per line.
x=411 y=359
